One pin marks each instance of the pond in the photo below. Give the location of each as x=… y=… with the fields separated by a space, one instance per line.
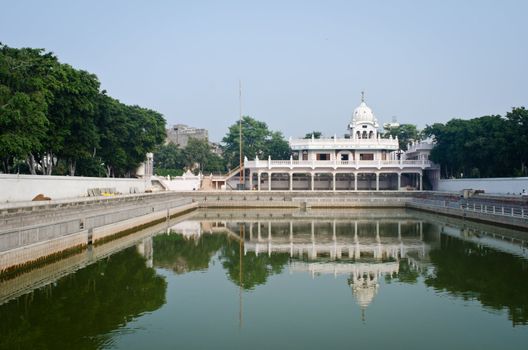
x=264 y=279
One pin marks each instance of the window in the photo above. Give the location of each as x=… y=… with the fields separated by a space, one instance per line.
x=344 y=157
x=323 y=156
x=366 y=156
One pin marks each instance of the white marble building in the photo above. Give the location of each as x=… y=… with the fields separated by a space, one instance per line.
x=362 y=160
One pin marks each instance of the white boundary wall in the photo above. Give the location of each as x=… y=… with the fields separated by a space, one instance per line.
x=503 y=185
x=16 y=188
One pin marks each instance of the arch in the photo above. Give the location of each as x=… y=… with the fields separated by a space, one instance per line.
x=371 y=134
x=358 y=135
x=364 y=136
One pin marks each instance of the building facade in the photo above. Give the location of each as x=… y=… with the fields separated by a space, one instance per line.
x=362 y=160
x=180 y=134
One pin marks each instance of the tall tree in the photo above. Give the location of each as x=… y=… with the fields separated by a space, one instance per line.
x=517 y=121
x=406 y=133
x=196 y=154
x=24 y=76
x=145 y=132
x=169 y=157
x=73 y=134
x=278 y=147
x=257 y=140
x=112 y=128
x=479 y=147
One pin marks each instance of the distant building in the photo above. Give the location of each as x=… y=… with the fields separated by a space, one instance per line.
x=180 y=134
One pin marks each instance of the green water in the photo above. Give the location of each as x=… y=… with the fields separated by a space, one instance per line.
x=401 y=281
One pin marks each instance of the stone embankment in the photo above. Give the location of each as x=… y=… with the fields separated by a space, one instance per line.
x=509 y=211
x=35 y=231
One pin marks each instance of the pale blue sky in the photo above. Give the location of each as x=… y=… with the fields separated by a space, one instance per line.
x=302 y=64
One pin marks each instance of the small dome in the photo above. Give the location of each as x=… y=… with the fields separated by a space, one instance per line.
x=363 y=113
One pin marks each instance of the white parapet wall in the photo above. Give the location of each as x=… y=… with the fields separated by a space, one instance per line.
x=186 y=182
x=502 y=185
x=17 y=188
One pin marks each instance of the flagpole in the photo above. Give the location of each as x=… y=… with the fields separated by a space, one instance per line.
x=241 y=160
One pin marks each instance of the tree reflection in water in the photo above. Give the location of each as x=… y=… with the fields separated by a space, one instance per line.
x=81 y=310
x=498 y=280
x=182 y=255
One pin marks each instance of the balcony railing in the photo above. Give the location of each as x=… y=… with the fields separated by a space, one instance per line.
x=337 y=164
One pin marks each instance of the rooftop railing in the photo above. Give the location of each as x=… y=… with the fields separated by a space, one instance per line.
x=332 y=143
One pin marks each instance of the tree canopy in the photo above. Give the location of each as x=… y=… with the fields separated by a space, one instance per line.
x=257 y=140
x=406 y=133
x=197 y=156
x=55 y=120
x=314 y=134
x=488 y=146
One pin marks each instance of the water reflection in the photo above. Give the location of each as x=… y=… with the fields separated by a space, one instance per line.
x=89 y=299
x=364 y=249
x=465 y=261
x=81 y=310
x=467 y=270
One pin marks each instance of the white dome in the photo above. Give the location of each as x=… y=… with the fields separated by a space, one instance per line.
x=363 y=113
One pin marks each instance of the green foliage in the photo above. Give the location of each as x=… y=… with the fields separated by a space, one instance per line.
x=24 y=75
x=197 y=156
x=80 y=311
x=257 y=140
x=257 y=267
x=71 y=116
x=145 y=130
x=489 y=146
x=498 y=280
x=278 y=147
x=182 y=255
x=314 y=134
x=405 y=133
x=54 y=117
x=169 y=156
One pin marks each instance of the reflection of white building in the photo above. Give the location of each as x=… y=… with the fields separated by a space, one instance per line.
x=362 y=160
x=188 y=229
x=364 y=256
x=363 y=278
x=354 y=245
